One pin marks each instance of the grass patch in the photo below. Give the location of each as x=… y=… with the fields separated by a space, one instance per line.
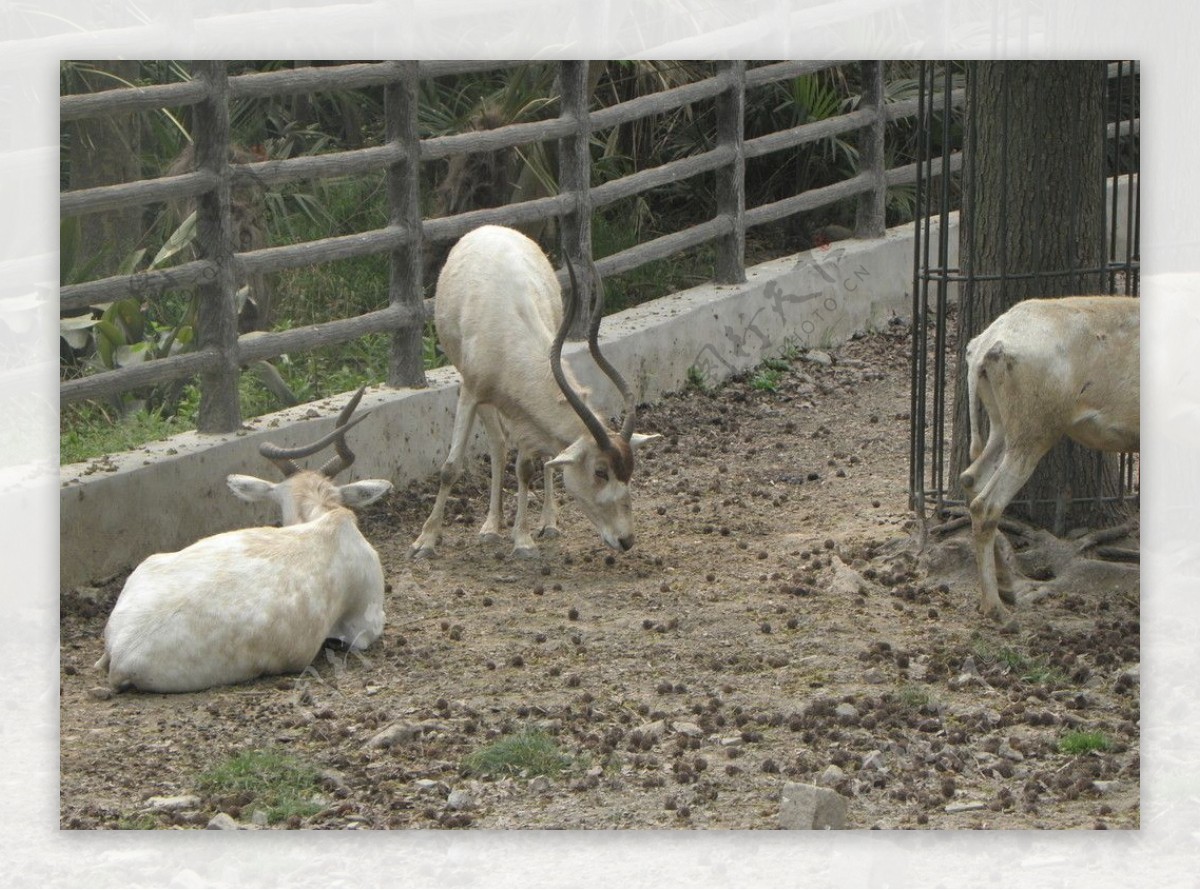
x=526 y=754
x=914 y=697
x=791 y=350
x=1084 y=742
x=766 y=379
x=1031 y=670
x=1037 y=671
x=767 y=376
x=89 y=430
x=281 y=786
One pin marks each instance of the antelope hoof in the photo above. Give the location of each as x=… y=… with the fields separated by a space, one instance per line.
x=489 y=538
x=525 y=552
x=425 y=552
x=997 y=614
x=549 y=532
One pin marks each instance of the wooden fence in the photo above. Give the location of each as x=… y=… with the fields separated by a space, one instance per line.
x=220 y=352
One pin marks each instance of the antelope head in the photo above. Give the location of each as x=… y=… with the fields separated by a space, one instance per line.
x=303 y=495
x=598 y=465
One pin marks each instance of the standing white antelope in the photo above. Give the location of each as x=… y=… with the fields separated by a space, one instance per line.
x=497 y=307
x=1043 y=370
x=255 y=601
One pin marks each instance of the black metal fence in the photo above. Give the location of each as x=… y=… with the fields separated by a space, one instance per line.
x=220 y=350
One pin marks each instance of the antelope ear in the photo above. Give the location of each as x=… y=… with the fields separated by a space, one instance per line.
x=572 y=454
x=249 y=488
x=366 y=491
x=639 y=439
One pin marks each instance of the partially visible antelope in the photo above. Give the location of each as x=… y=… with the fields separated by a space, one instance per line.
x=256 y=601
x=1043 y=370
x=497 y=308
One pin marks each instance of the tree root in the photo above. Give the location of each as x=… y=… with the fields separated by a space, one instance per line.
x=950 y=526
x=1119 y=554
x=1040 y=564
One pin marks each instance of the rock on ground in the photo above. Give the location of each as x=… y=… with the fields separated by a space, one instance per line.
x=805 y=807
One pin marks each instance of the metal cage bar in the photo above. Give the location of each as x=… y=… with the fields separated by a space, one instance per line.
x=934 y=274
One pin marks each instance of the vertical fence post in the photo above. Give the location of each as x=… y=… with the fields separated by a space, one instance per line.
x=869 y=220
x=731 y=180
x=574 y=178
x=406 y=365
x=216 y=294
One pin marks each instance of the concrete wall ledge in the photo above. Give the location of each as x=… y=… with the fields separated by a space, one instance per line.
x=118 y=509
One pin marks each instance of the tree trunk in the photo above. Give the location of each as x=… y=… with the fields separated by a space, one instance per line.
x=106 y=151
x=1033 y=217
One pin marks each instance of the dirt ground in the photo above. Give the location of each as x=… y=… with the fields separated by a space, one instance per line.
x=777 y=622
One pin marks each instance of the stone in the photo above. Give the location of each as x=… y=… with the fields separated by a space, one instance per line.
x=964 y=680
x=831 y=776
x=401 y=732
x=172 y=804
x=808 y=807
x=390 y=735
x=967 y=807
x=845 y=581
x=333 y=780
x=222 y=822
x=1008 y=752
x=460 y=800
x=90 y=594
x=873 y=761
x=817 y=357
x=259 y=818
x=653 y=730
x=540 y=785
x=846 y=711
x=691 y=730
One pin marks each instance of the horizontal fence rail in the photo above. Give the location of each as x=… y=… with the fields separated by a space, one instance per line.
x=408 y=233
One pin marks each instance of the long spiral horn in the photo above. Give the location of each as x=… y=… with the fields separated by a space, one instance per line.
x=594 y=348
x=285 y=458
x=595 y=426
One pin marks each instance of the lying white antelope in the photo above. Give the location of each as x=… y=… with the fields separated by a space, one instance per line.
x=255 y=601
x=497 y=307
x=1043 y=370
